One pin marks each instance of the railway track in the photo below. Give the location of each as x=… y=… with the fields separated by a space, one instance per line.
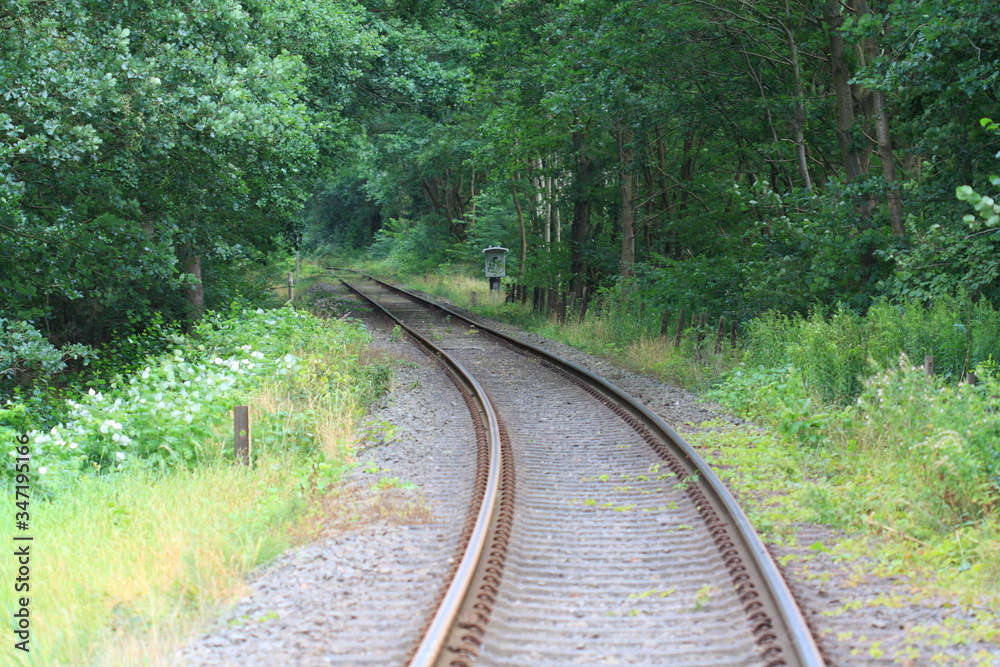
x=595 y=535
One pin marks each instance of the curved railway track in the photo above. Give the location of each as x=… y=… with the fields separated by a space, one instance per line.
x=596 y=535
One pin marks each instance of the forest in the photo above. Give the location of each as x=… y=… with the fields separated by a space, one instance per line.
x=737 y=157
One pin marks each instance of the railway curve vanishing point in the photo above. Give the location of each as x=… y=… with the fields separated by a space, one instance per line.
x=621 y=547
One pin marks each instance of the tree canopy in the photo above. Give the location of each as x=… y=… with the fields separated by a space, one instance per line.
x=734 y=155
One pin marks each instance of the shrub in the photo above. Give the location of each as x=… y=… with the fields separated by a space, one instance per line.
x=945 y=437
x=26 y=355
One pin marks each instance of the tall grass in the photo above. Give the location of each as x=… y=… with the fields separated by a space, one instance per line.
x=126 y=565
x=916 y=455
x=835 y=351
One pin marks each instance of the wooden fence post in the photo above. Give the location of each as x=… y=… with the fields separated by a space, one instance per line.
x=732 y=332
x=680 y=327
x=664 y=324
x=241 y=434
x=720 y=334
x=700 y=321
x=929 y=365
x=291 y=287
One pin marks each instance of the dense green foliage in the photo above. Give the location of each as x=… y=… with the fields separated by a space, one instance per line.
x=733 y=156
x=730 y=156
x=153 y=151
x=175 y=411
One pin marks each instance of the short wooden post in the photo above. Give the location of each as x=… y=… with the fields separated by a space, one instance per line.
x=241 y=434
x=732 y=332
x=664 y=324
x=720 y=334
x=699 y=322
x=971 y=378
x=680 y=327
x=291 y=287
x=472 y=298
x=929 y=365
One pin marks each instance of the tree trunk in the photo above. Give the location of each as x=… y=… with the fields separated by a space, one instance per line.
x=626 y=188
x=888 y=165
x=524 y=239
x=884 y=141
x=580 y=225
x=842 y=91
x=194 y=291
x=800 y=109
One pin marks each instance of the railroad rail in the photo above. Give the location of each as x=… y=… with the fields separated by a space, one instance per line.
x=621 y=545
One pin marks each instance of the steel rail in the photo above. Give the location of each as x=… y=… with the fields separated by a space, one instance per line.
x=432 y=644
x=799 y=638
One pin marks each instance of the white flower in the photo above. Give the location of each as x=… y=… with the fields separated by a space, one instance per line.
x=120 y=456
x=109 y=424
x=73 y=445
x=260 y=311
x=42 y=470
x=91 y=392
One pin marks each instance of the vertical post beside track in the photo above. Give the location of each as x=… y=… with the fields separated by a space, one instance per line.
x=241 y=434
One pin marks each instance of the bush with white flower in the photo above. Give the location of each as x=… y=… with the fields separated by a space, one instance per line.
x=177 y=410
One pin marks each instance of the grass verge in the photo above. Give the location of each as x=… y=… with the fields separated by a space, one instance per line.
x=128 y=559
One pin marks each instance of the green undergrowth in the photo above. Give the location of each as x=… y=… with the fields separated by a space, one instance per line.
x=143 y=525
x=783 y=486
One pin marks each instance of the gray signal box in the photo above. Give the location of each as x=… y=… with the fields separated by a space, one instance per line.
x=496 y=265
